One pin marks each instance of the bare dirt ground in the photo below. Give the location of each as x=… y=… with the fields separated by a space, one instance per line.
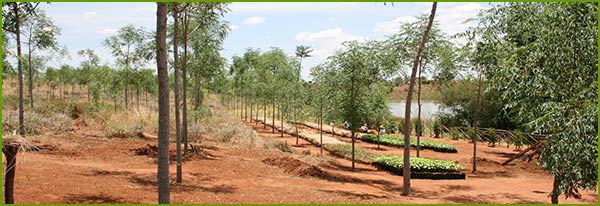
x=87 y=167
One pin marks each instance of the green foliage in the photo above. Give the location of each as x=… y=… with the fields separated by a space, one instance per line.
x=418 y=127
x=417 y=164
x=346 y=151
x=544 y=59
x=437 y=129
x=491 y=136
x=455 y=133
x=397 y=141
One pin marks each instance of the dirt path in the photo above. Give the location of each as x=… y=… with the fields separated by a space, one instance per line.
x=519 y=182
x=86 y=167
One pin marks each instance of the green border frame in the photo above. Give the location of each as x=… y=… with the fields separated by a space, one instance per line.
x=598 y=84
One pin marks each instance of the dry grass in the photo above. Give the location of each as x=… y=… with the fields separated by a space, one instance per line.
x=35 y=123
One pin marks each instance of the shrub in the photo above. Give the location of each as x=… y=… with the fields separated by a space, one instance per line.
x=437 y=129
x=417 y=164
x=471 y=134
x=401 y=125
x=455 y=133
x=518 y=140
x=397 y=141
x=418 y=127
x=492 y=136
x=390 y=127
x=36 y=123
x=346 y=151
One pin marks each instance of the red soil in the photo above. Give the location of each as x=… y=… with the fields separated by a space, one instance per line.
x=86 y=167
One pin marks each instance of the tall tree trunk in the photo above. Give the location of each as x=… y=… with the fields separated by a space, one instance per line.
x=176 y=84
x=250 y=99
x=30 y=69
x=475 y=123
x=265 y=114
x=281 y=117
x=406 y=172
x=185 y=83
x=353 y=141
x=11 y=151
x=419 y=123
x=321 y=122
x=126 y=95
x=163 y=104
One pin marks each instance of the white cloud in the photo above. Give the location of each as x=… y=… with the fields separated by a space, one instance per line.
x=450 y=16
x=233 y=27
x=394 y=25
x=89 y=15
x=254 y=20
x=326 y=41
x=451 y=19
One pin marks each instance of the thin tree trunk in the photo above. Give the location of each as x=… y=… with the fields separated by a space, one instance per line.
x=321 y=122
x=406 y=172
x=281 y=117
x=163 y=104
x=265 y=114
x=176 y=76
x=10 y=152
x=555 y=191
x=30 y=72
x=475 y=124
x=419 y=123
x=185 y=83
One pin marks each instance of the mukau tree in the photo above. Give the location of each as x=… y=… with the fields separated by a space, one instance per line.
x=40 y=33
x=547 y=67
x=13 y=14
x=163 y=104
x=131 y=49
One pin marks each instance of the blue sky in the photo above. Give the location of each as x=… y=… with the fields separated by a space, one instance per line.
x=324 y=26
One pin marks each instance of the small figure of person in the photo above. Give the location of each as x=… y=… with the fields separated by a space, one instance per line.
x=364 y=128
x=381 y=130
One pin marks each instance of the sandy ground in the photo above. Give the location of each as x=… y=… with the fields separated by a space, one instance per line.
x=86 y=167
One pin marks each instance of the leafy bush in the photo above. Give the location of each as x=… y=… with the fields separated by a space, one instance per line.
x=418 y=127
x=417 y=164
x=390 y=127
x=437 y=129
x=492 y=136
x=346 y=151
x=455 y=133
x=518 y=140
x=397 y=141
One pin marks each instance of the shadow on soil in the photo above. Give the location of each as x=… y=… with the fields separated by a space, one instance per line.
x=488 y=198
x=355 y=195
x=107 y=173
x=92 y=199
x=202 y=185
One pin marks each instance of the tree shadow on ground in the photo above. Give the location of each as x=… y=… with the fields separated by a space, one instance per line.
x=203 y=184
x=97 y=172
x=506 y=155
x=93 y=199
x=364 y=196
x=491 y=174
x=490 y=198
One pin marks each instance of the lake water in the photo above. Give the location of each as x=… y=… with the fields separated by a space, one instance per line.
x=428 y=109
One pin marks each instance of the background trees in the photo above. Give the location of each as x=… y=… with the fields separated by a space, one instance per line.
x=130 y=48
x=547 y=69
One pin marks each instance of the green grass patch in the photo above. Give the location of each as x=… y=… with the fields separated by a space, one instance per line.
x=417 y=164
x=397 y=141
x=346 y=151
